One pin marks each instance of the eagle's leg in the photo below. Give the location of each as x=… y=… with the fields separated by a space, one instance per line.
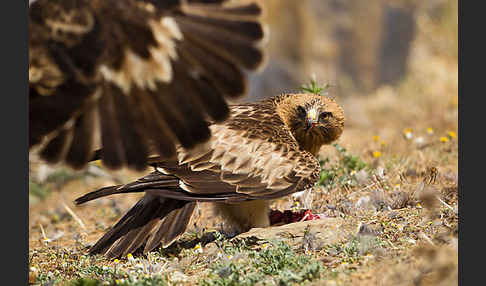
x=244 y=216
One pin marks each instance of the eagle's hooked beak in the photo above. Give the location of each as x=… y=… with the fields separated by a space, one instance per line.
x=311 y=119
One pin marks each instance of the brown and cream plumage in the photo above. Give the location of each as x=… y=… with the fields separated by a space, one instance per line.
x=264 y=151
x=135 y=73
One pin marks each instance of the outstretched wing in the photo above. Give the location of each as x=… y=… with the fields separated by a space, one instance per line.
x=133 y=74
x=253 y=154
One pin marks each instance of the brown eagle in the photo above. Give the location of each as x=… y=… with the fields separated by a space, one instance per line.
x=128 y=74
x=265 y=150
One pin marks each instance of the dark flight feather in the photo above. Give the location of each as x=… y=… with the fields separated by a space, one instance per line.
x=153 y=71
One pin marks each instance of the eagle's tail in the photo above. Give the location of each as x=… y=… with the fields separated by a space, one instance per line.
x=153 y=220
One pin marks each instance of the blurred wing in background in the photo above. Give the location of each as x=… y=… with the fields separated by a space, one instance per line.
x=138 y=76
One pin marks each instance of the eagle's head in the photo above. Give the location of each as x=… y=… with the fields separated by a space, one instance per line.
x=314 y=120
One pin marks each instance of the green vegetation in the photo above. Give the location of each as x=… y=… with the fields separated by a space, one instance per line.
x=145 y=281
x=39 y=190
x=314 y=87
x=342 y=171
x=355 y=249
x=275 y=264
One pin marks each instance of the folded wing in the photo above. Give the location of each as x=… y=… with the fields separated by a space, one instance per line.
x=252 y=154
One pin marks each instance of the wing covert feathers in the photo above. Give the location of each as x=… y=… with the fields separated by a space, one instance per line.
x=138 y=75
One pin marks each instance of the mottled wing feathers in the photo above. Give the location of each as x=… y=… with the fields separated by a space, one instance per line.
x=159 y=184
x=128 y=74
x=253 y=154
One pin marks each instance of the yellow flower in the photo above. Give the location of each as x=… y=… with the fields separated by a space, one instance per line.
x=376 y=154
x=376 y=138
x=198 y=248
x=407 y=132
x=454 y=101
x=383 y=143
x=444 y=139
x=116 y=260
x=129 y=256
x=430 y=131
x=452 y=134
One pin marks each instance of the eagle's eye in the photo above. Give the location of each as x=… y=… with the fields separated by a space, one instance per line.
x=324 y=116
x=301 y=111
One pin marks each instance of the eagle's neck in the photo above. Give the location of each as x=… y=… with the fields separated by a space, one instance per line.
x=308 y=140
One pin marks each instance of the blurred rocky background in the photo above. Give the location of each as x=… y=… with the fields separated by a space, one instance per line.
x=356 y=46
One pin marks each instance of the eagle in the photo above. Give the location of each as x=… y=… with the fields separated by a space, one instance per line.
x=265 y=150
x=135 y=76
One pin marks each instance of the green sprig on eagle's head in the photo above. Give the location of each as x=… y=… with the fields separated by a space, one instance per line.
x=314 y=87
